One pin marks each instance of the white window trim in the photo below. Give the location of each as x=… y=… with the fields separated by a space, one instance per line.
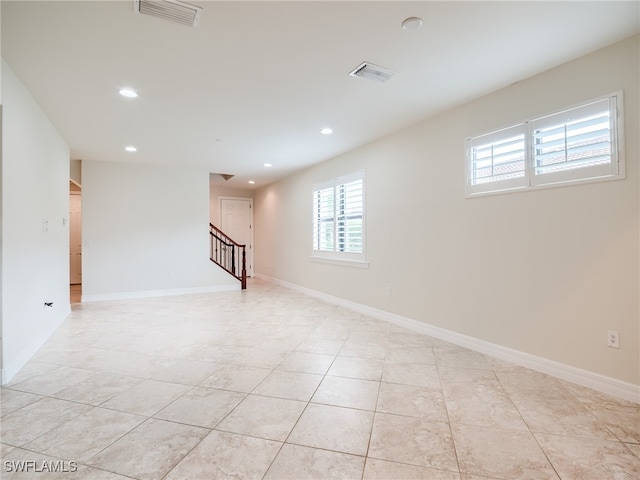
x=349 y=259
x=530 y=182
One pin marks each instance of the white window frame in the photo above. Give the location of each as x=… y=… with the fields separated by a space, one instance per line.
x=336 y=256
x=615 y=170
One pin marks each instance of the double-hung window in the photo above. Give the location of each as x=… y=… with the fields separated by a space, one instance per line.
x=338 y=218
x=576 y=145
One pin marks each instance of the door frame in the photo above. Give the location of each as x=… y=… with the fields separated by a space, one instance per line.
x=250 y=268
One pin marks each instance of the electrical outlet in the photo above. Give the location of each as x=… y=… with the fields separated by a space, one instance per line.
x=387 y=291
x=613 y=339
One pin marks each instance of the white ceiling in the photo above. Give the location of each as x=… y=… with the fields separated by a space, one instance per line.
x=255 y=82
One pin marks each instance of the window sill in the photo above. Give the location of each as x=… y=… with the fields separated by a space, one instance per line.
x=341 y=262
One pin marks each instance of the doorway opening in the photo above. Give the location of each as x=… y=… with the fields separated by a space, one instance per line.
x=75 y=241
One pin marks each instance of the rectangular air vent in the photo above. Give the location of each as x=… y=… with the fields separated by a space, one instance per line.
x=372 y=72
x=171 y=10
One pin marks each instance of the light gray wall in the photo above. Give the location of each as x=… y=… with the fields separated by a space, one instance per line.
x=145 y=232
x=35 y=232
x=76 y=171
x=544 y=272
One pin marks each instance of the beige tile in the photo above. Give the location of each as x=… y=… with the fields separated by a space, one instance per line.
x=452 y=377
x=623 y=421
x=12 y=400
x=347 y=392
x=224 y=456
x=363 y=335
x=33 y=420
x=84 y=436
x=188 y=372
x=256 y=357
x=635 y=448
x=411 y=374
x=5 y=450
x=203 y=407
x=236 y=378
x=422 y=355
x=500 y=453
x=146 y=398
x=593 y=397
x=414 y=441
x=460 y=357
x=264 y=417
x=295 y=462
x=333 y=428
x=530 y=385
x=590 y=459
x=383 y=470
x=307 y=363
x=140 y=339
x=467 y=476
x=291 y=385
x=52 y=382
x=412 y=401
x=46 y=468
x=321 y=345
x=22 y=464
x=562 y=416
x=149 y=451
x=336 y=331
x=405 y=338
x=362 y=349
x=475 y=397
x=32 y=369
x=89 y=473
x=353 y=367
x=127 y=363
x=98 y=388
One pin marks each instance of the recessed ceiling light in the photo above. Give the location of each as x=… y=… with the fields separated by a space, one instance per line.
x=128 y=92
x=130 y=148
x=268 y=165
x=326 y=131
x=252 y=182
x=412 y=23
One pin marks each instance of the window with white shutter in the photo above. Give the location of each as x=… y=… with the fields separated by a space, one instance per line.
x=338 y=218
x=576 y=145
x=497 y=160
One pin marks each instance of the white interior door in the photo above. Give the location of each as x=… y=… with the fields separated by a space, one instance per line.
x=75 y=239
x=236 y=220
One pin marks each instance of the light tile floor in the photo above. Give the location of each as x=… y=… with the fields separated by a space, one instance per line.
x=269 y=383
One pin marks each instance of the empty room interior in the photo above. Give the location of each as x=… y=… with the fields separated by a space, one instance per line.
x=320 y=240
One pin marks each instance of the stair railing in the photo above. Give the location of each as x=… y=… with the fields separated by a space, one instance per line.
x=228 y=254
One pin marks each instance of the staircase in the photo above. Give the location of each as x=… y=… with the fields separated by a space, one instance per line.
x=228 y=254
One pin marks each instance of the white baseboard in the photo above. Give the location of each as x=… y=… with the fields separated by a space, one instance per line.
x=102 y=297
x=585 y=378
x=10 y=369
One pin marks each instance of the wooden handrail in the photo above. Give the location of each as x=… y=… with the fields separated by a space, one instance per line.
x=223 y=253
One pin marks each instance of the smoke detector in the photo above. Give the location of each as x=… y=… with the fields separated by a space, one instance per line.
x=372 y=72
x=171 y=10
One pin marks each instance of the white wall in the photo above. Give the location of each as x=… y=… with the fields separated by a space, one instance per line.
x=35 y=207
x=145 y=232
x=545 y=272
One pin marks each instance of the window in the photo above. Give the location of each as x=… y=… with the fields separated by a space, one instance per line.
x=338 y=218
x=576 y=145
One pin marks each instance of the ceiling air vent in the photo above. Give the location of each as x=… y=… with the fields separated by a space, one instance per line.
x=372 y=72
x=170 y=10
